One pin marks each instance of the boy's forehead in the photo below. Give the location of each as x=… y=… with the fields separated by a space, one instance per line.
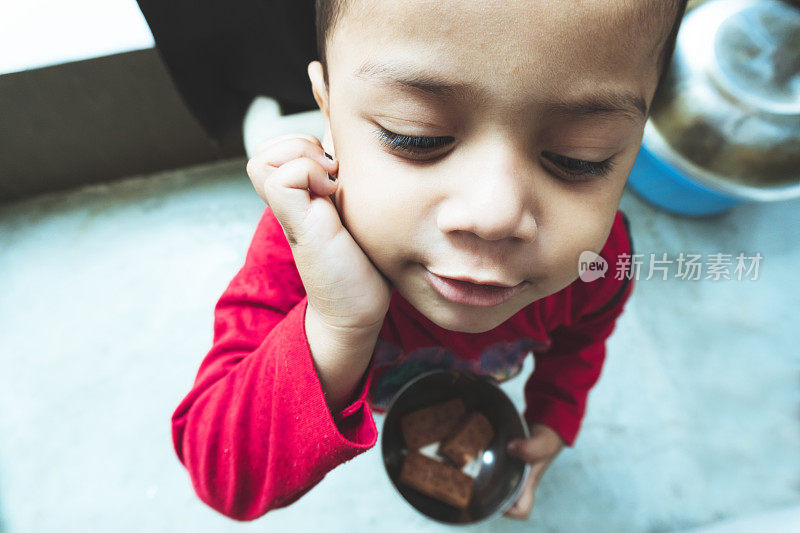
x=549 y=43
x=467 y=19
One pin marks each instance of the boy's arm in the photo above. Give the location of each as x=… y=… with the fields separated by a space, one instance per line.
x=556 y=391
x=255 y=431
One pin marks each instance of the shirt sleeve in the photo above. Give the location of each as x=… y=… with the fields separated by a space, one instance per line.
x=557 y=390
x=255 y=432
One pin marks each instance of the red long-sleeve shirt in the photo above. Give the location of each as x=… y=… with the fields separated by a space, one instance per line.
x=255 y=432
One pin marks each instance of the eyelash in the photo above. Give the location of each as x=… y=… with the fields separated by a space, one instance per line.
x=419 y=145
x=411 y=144
x=579 y=167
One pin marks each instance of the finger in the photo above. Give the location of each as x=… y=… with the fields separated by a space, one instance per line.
x=288 y=189
x=282 y=152
x=521 y=508
x=530 y=450
x=264 y=164
x=517 y=512
x=269 y=142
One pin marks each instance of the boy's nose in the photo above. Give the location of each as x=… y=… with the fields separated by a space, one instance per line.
x=493 y=200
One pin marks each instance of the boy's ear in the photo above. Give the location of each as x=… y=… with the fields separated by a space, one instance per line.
x=320 y=91
x=318 y=85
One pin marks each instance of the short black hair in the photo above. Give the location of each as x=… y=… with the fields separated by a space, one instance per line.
x=668 y=48
x=329 y=13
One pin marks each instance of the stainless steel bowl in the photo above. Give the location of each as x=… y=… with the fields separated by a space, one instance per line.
x=500 y=478
x=728 y=112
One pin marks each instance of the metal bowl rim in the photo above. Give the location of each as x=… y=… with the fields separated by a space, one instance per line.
x=507 y=502
x=655 y=142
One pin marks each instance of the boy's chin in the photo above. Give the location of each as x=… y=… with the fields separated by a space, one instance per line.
x=467 y=319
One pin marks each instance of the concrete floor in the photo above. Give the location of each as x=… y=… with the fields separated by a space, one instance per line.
x=106 y=299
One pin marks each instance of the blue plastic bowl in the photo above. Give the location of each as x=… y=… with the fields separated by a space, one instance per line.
x=664 y=178
x=663 y=185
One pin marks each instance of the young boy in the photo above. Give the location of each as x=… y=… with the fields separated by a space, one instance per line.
x=472 y=152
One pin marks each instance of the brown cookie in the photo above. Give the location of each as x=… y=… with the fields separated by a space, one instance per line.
x=436 y=479
x=430 y=424
x=469 y=438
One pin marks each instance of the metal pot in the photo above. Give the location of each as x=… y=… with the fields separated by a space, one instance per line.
x=724 y=126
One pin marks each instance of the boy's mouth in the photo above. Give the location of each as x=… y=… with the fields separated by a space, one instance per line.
x=466 y=291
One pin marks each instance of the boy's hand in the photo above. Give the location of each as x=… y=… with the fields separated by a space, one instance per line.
x=539 y=451
x=345 y=290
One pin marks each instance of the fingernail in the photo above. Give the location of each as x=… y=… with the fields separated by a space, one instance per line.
x=329 y=156
x=512 y=447
x=332 y=178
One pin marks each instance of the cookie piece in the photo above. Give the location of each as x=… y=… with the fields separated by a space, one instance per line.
x=433 y=423
x=469 y=438
x=436 y=479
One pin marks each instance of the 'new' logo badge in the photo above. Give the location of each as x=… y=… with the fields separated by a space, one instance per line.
x=591 y=266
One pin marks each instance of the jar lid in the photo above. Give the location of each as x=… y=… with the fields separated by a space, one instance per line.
x=728 y=110
x=757 y=52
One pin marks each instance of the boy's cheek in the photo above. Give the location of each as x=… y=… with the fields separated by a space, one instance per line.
x=565 y=248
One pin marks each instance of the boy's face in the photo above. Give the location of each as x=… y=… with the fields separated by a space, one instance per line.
x=492 y=201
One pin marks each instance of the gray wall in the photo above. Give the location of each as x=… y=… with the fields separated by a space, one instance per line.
x=96 y=120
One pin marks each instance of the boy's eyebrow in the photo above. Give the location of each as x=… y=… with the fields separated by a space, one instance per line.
x=605 y=102
x=601 y=102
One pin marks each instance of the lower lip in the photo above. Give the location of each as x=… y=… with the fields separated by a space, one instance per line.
x=464 y=292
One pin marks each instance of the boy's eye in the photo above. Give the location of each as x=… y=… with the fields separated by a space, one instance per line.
x=579 y=167
x=410 y=144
